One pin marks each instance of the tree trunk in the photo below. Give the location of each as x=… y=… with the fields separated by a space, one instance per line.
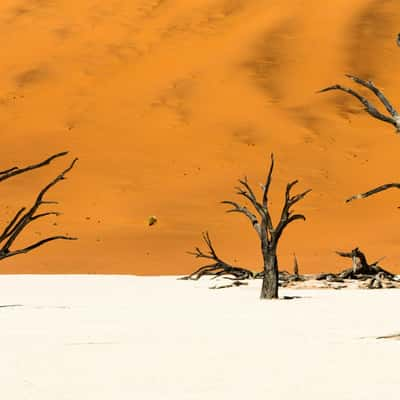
x=270 y=283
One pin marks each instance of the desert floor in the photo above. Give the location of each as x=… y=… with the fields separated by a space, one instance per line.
x=120 y=337
x=168 y=102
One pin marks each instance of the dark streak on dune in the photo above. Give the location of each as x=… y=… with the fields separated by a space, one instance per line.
x=209 y=20
x=272 y=55
x=371 y=45
x=123 y=51
x=31 y=76
x=64 y=32
x=27 y=8
x=149 y=11
x=245 y=135
x=175 y=98
x=369 y=34
x=229 y=8
x=309 y=120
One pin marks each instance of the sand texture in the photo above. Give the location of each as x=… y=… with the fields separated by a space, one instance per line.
x=166 y=103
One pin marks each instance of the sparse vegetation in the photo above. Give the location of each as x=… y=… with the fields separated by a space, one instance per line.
x=268 y=233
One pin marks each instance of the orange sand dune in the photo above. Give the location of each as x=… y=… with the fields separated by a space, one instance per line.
x=168 y=102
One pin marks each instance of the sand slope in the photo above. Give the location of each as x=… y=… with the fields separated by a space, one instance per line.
x=112 y=337
x=167 y=103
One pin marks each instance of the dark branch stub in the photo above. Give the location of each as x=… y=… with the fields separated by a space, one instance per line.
x=23 y=218
x=393 y=118
x=295 y=266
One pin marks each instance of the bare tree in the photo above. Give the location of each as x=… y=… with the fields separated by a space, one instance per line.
x=268 y=234
x=24 y=217
x=393 y=118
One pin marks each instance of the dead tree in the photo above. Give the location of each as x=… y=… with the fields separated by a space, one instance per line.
x=393 y=118
x=24 y=217
x=268 y=234
x=360 y=267
x=218 y=268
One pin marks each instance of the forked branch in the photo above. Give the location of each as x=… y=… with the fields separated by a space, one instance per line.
x=263 y=224
x=287 y=215
x=393 y=118
x=17 y=171
x=244 y=210
x=23 y=218
x=219 y=268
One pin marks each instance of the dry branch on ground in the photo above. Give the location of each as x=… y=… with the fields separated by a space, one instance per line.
x=218 y=268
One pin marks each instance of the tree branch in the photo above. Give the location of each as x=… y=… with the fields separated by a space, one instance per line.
x=369 y=108
x=394 y=119
x=373 y=191
x=212 y=255
x=8 y=229
x=268 y=182
x=219 y=268
x=17 y=171
x=286 y=216
x=34 y=246
x=22 y=220
x=243 y=210
x=249 y=195
x=369 y=85
x=268 y=219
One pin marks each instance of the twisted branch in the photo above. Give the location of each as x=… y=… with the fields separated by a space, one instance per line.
x=219 y=267
x=17 y=171
x=393 y=119
x=22 y=219
x=373 y=191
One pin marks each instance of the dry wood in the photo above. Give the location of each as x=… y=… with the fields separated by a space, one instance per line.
x=361 y=268
x=263 y=225
x=23 y=218
x=295 y=266
x=218 y=268
x=268 y=234
x=373 y=191
x=393 y=118
x=9 y=173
